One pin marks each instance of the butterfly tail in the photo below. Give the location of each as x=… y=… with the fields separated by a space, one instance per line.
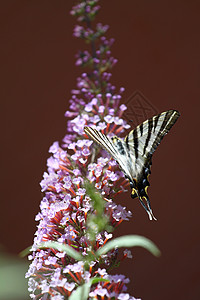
x=150 y=213
x=147 y=207
x=144 y=200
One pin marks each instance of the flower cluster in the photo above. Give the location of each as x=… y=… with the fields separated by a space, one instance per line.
x=66 y=206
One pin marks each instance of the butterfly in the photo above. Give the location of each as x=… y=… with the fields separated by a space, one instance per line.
x=134 y=153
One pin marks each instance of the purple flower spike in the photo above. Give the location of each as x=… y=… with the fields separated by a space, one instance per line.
x=67 y=207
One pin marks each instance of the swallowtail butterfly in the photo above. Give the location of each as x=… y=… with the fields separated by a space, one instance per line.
x=134 y=153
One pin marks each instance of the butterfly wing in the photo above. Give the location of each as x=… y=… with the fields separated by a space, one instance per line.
x=134 y=154
x=141 y=144
x=118 y=150
x=115 y=146
x=147 y=136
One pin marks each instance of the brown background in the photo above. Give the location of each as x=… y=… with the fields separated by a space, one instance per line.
x=158 y=47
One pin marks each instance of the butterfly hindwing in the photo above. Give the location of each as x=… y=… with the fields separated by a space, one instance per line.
x=142 y=142
x=147 y=136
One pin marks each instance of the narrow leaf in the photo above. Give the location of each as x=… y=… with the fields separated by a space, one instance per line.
x=82 y=292
x=98 y=279
x=25 y=252
x=13 y=285
x=130 y=241
x=64 y=248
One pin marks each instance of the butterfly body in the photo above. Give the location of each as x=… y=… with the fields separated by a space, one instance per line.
x=134 y=153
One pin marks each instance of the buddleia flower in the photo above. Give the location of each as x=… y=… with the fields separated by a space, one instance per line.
x=67 y=211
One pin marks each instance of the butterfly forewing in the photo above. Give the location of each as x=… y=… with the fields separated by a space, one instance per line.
x=102 y=140
x=115 y=146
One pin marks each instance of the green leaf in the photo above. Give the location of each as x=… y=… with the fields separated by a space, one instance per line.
x=98 y=202
x=99 y=279
x=13 y=285
x=82 y=292
x=130 y=241
x=64 y=248
x=98 y=221
x=25 y=252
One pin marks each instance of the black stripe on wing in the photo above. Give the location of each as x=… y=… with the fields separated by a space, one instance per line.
x=145 y=138
x=101 y=139
x=156 y=118
x=135 y=139
x=169 y=119
x=149 y=135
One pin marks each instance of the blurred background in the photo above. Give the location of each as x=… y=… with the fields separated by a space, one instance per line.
x=158 y=48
